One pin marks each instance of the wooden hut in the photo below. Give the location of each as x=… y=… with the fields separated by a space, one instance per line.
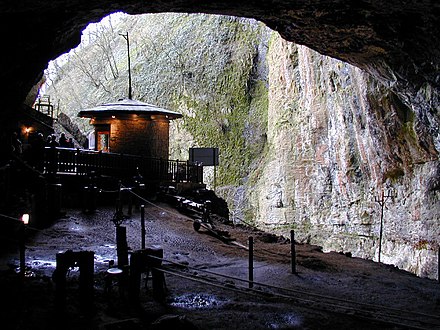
x=131 y=127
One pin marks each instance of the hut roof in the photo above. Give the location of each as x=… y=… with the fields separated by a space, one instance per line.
x=127 y=106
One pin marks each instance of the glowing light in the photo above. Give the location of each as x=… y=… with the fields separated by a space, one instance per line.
x=113 y=117
x=25 y=218
x=27 y=129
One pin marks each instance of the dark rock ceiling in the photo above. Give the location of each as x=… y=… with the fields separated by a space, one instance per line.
x=396 y=40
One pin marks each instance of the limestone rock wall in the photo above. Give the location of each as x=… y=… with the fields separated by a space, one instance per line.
x=336 y=140
x=306 y=142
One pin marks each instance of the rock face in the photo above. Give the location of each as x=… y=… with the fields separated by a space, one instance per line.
x=336 y=139
x=307 y=142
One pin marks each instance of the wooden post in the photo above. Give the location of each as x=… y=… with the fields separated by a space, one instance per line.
x=143 y=233
x=121 y=246
x=130 y=202
x=59 y=277
x=251 y=262
x=86 y=272
x=293 y=251
x=142 y=261
x=85 y=261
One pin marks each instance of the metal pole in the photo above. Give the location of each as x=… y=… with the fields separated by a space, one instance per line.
x=177 y=170
x=143 y=226
x=22 y=250
x=129 y=66
x=215 y=176
x=438 y=264
x=251 y=262
x=292 y=251
x=119 y=200
x=390 y=194
x=215 y=168
x=381 y=202
x=130 y=94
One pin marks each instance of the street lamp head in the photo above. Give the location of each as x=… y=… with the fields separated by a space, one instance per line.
x=392 y=193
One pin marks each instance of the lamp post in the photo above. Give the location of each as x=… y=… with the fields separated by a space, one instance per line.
x=129 y=70
x=381 y=200
x=25 y=222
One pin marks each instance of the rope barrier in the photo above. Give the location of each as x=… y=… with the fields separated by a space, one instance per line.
x=377 y=310
x=20 y=221
x=210 y=283
x=157 y=206
x=199 y=269
x=9 y=217
x=108 y=191
x=181 y=216
x=193 y=277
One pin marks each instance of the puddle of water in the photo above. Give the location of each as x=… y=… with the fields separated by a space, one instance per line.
x=38 y=267
x=103 y=259
x=195 y=301
x=284 y=321
x=27 y=273
x=38 y=263
x=76 y=228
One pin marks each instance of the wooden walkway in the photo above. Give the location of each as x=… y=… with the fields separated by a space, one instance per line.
x=86 y=162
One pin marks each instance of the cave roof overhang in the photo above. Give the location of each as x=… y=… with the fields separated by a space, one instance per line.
x=127 y=106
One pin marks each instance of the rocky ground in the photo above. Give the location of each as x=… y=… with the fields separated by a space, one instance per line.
x=208 y=287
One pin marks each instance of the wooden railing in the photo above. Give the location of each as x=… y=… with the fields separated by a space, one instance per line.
x=84 y=162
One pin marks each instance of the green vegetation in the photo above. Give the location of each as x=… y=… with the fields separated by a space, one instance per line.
x=236 y=110
x=207 y=67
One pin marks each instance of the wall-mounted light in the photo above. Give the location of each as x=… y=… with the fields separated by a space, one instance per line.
x=25 y=218
x=113 y=117
x=27 y=130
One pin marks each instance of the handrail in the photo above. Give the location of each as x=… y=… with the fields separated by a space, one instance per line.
x=84 y=162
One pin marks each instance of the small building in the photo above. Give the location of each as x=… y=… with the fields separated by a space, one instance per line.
x=131 y=127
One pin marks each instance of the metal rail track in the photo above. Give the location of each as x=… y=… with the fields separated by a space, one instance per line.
x=375 y=313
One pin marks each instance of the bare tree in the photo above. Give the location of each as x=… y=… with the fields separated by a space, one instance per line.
x=90 y=70
x=104 y=37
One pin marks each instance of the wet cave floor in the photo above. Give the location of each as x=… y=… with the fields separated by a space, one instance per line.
x=205 y=281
